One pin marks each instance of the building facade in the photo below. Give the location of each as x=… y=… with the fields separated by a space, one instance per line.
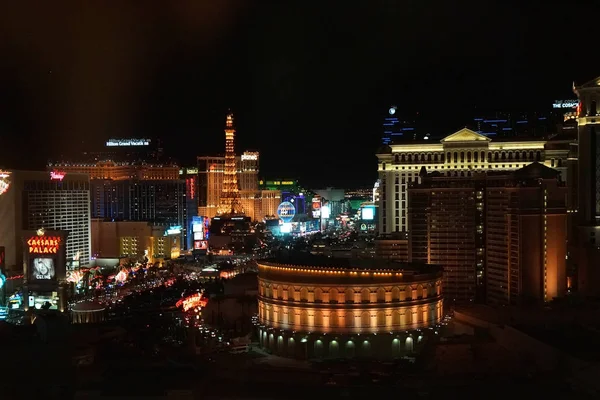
x=31 y=200
x=119 y=170
x=460 y=154
x=584 y=240
x=329 y=311
x=500 y=236
x=134 y=240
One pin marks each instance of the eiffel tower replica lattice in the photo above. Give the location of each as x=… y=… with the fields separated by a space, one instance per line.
x=230 y=204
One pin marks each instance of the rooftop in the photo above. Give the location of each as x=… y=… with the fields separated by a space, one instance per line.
x=307 y=259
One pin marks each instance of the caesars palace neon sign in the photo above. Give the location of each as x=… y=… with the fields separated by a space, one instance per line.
x=44 y=245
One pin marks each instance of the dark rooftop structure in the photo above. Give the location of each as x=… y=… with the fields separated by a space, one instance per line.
x=308 y=259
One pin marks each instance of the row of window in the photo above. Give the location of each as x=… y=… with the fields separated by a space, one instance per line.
x=475 y=156
x=349 y=295
x=334 y=319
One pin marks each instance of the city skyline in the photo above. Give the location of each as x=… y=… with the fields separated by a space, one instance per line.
x=324 y=79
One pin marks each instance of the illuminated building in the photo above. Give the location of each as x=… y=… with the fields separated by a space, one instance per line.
x=346 y=308
x=34 y=200
x=157 y=201
x=460 y=154
x=229 y=203
x=256 y=203
x=135 y=240
x=526 y=224
x=210 y=184
x=247 y=167
x=584 y=199
x=119 y=170
x=500 y=237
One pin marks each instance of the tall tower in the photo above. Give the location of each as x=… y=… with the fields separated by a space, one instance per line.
x=585 y=238
x=230 y=197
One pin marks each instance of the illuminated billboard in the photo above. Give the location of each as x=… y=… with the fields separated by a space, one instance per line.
x=325 y=212
x=200 y=245
x=368 y=213
x=45 y=256
x=43 y=269
x=127 y=142
x=286 y=211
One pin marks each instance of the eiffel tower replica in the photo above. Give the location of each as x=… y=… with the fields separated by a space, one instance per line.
x=230 y=204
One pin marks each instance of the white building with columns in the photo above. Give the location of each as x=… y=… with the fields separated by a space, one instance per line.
x=460 y=154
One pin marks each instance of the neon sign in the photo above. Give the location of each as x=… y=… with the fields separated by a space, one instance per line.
x=57 y=175
x=565 y=104
x=193 y=301
x=249 y=157
x=191 y=188
x=127 y=142
x=44 y=245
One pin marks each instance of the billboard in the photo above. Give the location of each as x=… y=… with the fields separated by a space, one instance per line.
x=42 y=268
x=316 y=207
x=45 y=255
x=325 y=212
x=286 y=211
x=368 y=213
x=200 y=232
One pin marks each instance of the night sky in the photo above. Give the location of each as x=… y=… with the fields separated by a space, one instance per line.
x=309 y=86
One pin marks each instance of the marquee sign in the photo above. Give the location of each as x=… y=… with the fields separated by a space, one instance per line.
x=44 y=244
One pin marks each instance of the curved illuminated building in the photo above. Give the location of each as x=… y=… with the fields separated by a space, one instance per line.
x=344 y=309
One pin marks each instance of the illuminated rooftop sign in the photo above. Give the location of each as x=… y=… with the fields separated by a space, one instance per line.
x=565 y=103
x=249 y=157
x=127 y=142
x=57 y=175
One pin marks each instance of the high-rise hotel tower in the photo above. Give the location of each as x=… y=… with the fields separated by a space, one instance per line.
x=584 y=241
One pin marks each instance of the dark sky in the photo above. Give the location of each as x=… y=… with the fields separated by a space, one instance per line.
x=308 y=85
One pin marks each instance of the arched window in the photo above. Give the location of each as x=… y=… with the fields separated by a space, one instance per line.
x=349 y=319
x=381 y=319
x=409 y=319
x=318 y=318
x=280 y=292
x=435 y=158
x=381 y=294
x=396 y=159
x=496 y=156
x=318 y=295
x=349 y=295
x=365 y=296
x=419 y=291
x=475 y=156
x=395 y=293
x=490 y=157
x=503 y=156
x=403 y=158
x=455 y=157
x=303 y=294
x=422 y=157
x=428 y=157
x=333 y=320
x=333 y=295
x=304 y=318
x=280 y=315
x=365 y=319
x=538 y=156
x=468 y=156
x=396 y=319
x=291 y=293
x=449 y=157
x=531 y=155
x=462 y=156
x=410 y=158
x=516 y=155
